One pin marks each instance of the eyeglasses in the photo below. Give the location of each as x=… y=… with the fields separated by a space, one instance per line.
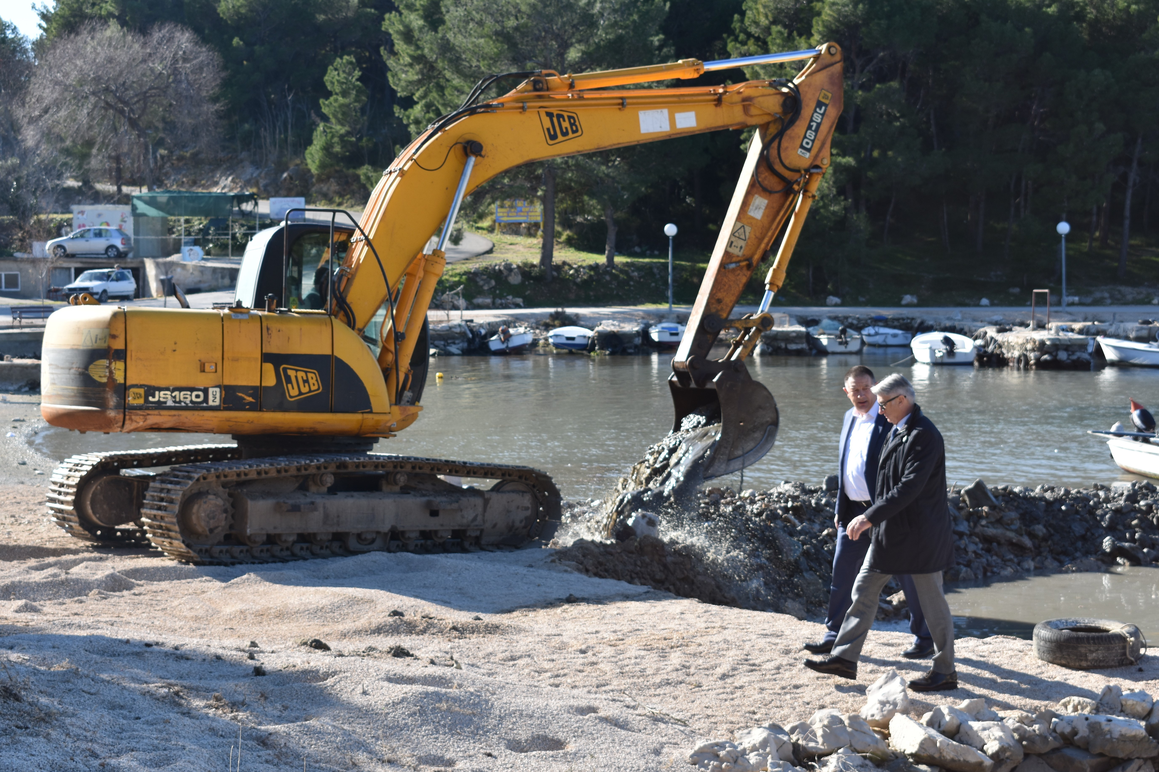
x=891 y=399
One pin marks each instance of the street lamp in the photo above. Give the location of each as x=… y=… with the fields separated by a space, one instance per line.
x=670 y=232
x=1063 y=228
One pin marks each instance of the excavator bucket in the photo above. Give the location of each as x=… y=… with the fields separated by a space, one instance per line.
x=745 y=410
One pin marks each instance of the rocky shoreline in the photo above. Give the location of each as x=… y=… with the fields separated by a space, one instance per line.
x=772 y=550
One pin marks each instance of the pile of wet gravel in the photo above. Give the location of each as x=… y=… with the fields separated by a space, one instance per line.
x=773 y=550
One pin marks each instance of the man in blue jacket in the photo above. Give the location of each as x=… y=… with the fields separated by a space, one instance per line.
x=911 y=534
x=862 y=435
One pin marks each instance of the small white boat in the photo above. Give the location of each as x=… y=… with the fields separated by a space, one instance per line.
x=1128 y=352
x=943 y=348
x=570 y=338
x=1134 y=452
x=666 y=334
x=886 y=336
x=508 y=341
x=850 y=343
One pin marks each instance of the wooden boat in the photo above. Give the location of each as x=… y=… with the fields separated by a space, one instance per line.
x=1134 y=452
x=508 y=341
x=666 y=334
x=832 y=343
x=886 y=336
x=570 y=338
x=1129 y=352
x=943 y=348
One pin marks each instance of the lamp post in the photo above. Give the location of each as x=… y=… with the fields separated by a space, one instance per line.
x=670 y=232
x=1063 y=228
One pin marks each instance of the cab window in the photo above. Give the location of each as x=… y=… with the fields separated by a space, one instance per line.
x=307 y=270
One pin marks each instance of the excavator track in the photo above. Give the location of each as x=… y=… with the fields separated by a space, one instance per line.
x=74 y=473
x=197 y=469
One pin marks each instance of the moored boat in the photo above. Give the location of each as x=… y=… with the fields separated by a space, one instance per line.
x=849 y=343
x=570 y=338
x=1134 y=452
x=508 y=341
x=666 y=334
x=943 y=348
x=1128 y=352
x=877 y=335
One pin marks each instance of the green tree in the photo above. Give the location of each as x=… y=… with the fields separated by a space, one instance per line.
x=336 y=140
x=439 y=48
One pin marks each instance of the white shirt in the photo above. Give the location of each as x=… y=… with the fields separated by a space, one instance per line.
x=858 y=429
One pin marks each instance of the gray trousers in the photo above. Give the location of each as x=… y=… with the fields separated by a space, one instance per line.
x=859 y=619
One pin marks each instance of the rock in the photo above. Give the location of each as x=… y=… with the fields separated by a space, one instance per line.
x=644 y=524
x=831 y=483
x=832 y=300
x=820 y=736
x=994 y=739
x=978 y=496
x=1073 y=705
x=863 y=740
x=1111 y=699
x=1033 y=764
x=771 y=740
x=1137 y=704
x=886 y=697
x=977 y=711
x=909 y=300
x=984 y=302
x=1071 y=759
x=1135 y=765
x=1122 y=738
x=845 y=760
x=928 y=746
x=1153 y=721
x=946 y=719
x=511 y=273
x=1033 y=732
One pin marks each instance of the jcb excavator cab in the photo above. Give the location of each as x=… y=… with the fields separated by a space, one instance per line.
x=269 y=268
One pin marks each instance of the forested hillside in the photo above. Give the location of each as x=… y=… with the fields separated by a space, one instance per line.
x=971 y=127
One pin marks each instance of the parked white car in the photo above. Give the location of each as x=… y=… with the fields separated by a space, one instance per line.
x=104 y=283
x=110 y=242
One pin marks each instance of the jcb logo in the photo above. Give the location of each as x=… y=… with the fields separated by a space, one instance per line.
x=560 y=126
x=300 y=382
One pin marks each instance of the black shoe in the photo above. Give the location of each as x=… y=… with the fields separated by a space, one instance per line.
x=821 y=647
x=934 y=681
x=833 y=666
x=919 y=651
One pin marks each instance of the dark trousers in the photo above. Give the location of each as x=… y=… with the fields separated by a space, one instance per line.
x=848 y=555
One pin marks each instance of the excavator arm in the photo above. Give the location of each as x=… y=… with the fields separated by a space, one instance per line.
x=394 y=259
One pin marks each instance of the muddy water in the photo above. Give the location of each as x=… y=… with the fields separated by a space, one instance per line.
x=587 y=420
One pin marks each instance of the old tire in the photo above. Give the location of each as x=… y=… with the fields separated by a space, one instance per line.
x=104 y=298
x=1084 y=644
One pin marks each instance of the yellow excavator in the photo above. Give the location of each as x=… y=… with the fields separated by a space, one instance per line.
x=324 y=350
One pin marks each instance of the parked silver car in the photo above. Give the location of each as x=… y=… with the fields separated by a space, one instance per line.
x=110 y=242
x=104 y=283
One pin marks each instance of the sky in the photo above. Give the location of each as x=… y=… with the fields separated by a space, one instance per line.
x=20 y=13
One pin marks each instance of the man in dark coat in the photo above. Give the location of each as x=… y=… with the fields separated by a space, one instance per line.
x=911 y=534
x=863 y=433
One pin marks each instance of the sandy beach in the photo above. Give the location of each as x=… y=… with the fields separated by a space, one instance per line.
x=123 y=659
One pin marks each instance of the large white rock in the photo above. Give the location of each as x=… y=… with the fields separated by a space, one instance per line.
x=886 y=698
x=863 y=740
x=946 y=719
x=977 y=709
x=1033 y=732
x=1137 y=704
x=1111 y=699
x=821 y=735
x=994 y=739
x=928 y=746
x=1073 y=705
x=771 y=739
x=1121 y=738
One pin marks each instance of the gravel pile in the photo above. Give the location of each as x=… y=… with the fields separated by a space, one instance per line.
x=773 y=550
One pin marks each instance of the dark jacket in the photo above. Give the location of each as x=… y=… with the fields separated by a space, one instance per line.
x=912 y=531
x=881 y=429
